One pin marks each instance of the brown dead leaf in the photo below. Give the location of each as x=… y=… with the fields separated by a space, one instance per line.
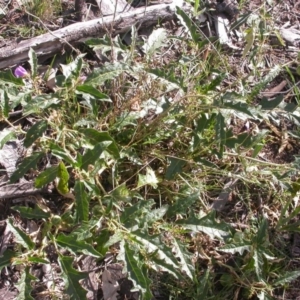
x=5 y=240
x=110 y=287
x=284 y=142
x=224 y=196
x=9 y=156
x=275 y=90
x=91 y=283
x=6 y=294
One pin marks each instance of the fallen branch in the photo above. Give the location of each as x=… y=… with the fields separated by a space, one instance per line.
x=291 y=35
x=22 y=189
x=53 y=42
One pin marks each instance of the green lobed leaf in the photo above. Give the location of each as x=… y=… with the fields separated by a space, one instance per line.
x=214 y=83
x=176 y=165
x=93 y=187
x=67 y=219
x=31 y=213
x=233 y=141
x=220 y=133
x=82 y=202
x=40 y=103
x=98 y=41
x=205 y=162
x=85 y=230
x=154 y=244
x=184 y=257
x=244 y=140
x=121 y=193
x=88 y=89
x=5 y=136
x=196 y=7
x=115 y=238
x=273 y=72
x=37 y=260
x=205 y=121
x=6 y=258
x=71 y=278
x=72 y=70
x=267 y=104
x=35 y=132
x=293 y=213
x=250 y=36
x=295 y=227
x=7 y=76
x=92 y=155
x=71 y=243
x=148 y=179
x=236 y=248
x=290 y=107
x=79 y=160
x=63 y=175
x=239 y=106
x=92 y=104
x=208 y=225
x=62 y=154
x=189 y=24
x=108 y=201
x=101 y=240
x=264 y=295
x=137 y=271
x=155 y=41
x=285 y=218
x=106 y=72
x=159 y=265
x=6 y=105
x=258 y=263
x=15 y=96
x=154 y=215
x=94 y=137
x=182 y=204
x=133 y=215
x=24 y=285
x=46 y=177
x=167 y=76
x=242 y=19
x=204 y=285
x=26 y=164
x=287 y=277
x=99 y=166
x=262 y=237
x=20 y=236
x=106 y=43
x=33 y=63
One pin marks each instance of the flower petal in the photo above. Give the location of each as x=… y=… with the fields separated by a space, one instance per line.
x=20 y=72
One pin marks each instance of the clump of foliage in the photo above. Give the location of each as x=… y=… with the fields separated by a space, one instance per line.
x=140 y=151
x=45 y=10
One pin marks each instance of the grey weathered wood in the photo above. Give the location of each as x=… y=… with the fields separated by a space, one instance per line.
x=21 y=189
x=110 y=7
x=53 y=42
x=291 y=35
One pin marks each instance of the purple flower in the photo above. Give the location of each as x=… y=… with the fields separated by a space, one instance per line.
x=82 y=79
x=20 y=72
